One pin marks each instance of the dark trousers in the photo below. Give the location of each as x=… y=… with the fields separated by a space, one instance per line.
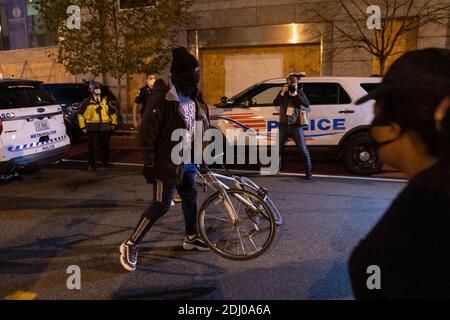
x=162 y=200
x=297 y=134
x=100 y=141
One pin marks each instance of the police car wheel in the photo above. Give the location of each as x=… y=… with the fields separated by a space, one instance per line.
x=359 y=155
x=28 y=170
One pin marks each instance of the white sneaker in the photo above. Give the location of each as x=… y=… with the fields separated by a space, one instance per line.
x=194 y=243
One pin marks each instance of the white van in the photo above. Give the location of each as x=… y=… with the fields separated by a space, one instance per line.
x=337 y=125
x=32 y=130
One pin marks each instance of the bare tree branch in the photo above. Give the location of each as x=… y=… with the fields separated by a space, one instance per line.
x=381 y=43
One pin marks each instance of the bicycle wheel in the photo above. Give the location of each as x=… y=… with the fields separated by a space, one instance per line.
x=253 y=187
x=245 y=239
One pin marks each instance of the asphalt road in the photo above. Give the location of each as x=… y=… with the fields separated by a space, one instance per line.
x=67 y=216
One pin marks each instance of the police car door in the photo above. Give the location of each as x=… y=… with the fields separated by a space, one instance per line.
x=266 y=115
x=332 y=112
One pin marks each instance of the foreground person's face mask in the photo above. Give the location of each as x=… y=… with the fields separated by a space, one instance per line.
x=380 y=121
x=187 y=82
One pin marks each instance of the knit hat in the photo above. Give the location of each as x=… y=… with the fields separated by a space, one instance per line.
x=182 y=61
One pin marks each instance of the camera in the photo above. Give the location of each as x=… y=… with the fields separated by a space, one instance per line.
x=292 y=88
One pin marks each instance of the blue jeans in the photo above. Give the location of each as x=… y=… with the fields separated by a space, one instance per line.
x=162 y=200
x=296 y=133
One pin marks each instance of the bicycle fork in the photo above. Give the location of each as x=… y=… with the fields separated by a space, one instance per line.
x=229 y=206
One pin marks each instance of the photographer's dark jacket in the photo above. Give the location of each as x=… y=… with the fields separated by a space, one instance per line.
x=297 y=102
x=410 y=244
x=155 y=136
x=97 y=115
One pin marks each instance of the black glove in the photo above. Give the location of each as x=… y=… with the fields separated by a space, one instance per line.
x=149 y=174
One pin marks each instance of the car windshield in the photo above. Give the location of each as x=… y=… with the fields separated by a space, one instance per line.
x=23 y=96
x=69 y=95
x=242 y=92
x=369 y=86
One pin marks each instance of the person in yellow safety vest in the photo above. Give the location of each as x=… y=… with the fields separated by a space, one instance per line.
x=97 y=118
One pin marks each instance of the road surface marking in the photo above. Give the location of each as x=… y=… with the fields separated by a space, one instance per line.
x=345 y=177
x=113 y=163
x=282 y=174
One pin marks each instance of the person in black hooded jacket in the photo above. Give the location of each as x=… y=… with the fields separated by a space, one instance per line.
x=181 y=106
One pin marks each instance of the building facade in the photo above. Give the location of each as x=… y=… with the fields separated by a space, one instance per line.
x=239 y=43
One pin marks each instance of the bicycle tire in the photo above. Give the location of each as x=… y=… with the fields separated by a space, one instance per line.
x=202 y=229
x=255 y=188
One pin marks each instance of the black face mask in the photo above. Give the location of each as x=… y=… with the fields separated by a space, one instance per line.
x=186 y=82
x=381 y=121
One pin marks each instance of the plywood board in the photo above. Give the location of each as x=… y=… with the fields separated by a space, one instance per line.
x=242 y=71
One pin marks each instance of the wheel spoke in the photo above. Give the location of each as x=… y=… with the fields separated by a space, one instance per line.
x=251 y=240
x=240 y=240
x=226 y=246
x=238 y=207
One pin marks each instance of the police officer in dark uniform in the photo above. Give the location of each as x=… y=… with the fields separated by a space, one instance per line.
x=142 y=98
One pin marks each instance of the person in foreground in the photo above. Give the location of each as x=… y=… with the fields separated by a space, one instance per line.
x=409 y=247
x=180 y=108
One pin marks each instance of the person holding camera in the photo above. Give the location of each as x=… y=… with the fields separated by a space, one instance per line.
x=294 y=106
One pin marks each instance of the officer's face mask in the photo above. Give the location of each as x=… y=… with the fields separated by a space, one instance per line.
x=186 y=82
x=381 y=121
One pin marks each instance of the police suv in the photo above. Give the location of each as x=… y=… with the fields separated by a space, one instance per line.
x=32 y=130
x=337 y=125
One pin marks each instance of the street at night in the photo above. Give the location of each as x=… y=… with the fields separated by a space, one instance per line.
x=67 y=216
x=224 y=159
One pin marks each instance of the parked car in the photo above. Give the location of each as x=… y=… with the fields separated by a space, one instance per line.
x=70 y=96
x=337 y=125
x=32 y=130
